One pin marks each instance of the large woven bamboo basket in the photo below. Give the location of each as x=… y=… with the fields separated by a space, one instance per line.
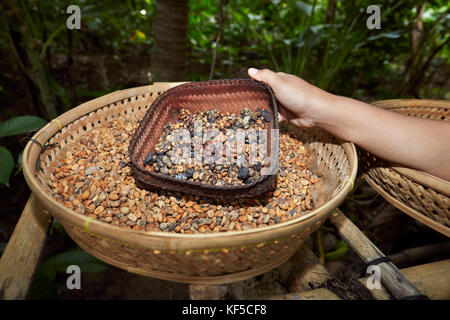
x=422 y=196
x=191 y=258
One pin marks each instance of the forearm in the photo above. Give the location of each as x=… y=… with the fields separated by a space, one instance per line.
x=413 y=142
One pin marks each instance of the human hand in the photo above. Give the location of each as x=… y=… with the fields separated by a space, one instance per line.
x=302 y=103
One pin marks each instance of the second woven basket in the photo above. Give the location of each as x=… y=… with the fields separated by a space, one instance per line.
x=422 y=196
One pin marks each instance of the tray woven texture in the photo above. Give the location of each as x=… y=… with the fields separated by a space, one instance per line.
x=223 y=95
x=423 y=196
x=196 y=258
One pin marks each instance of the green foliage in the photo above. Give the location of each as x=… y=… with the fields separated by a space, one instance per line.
x=341 y=250
x=293 y=36
x=85 y=261
x=12 y=127
x=6 y=165
x=19 y=125
x=45 y=284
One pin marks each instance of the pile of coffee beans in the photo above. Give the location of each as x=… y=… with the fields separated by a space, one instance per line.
x=204 y=147
x=92 y=177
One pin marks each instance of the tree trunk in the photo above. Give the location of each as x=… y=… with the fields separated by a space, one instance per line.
x=37 y=71
x=219 y=36
x=329 y=19
x=415 y=58
x=73 y=89
x=169 y=61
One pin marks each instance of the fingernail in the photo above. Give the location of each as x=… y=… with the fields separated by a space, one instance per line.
x=252 y=71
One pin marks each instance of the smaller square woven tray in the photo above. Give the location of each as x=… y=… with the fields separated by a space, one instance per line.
x=223 y=95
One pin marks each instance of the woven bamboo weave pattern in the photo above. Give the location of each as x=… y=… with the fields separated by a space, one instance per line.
x=424 y=196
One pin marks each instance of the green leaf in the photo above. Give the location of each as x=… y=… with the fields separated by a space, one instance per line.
x=341 y=250
x=389 y=35
x=306 y=8
x=6 y=165
x=85 y=261
x=19 y=125
x=43 y=286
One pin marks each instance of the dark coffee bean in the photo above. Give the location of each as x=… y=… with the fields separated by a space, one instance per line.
x=266 y=115
x=257 y=166
x=173 y=226
x=243 y=173
x=189 y=173
x=149 y=160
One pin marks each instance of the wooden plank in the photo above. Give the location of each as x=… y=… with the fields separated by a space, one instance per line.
x=432 y=279
x=20 y=258
x=391 y=277
x=316 y=294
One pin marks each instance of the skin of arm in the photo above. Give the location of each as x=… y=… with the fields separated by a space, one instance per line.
x=417 y=143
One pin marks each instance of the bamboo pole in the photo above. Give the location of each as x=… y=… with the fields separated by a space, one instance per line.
x=20 y=258
x=391 y=277
x=420 y=255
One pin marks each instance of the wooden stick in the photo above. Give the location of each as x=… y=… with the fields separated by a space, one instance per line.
x=20 y=258
x=420 y=255
x=391 y=277
x=432 y=279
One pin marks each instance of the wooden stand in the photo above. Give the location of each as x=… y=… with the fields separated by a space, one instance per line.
x=304 y=271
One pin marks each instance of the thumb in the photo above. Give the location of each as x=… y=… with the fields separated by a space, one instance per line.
x=267 y=76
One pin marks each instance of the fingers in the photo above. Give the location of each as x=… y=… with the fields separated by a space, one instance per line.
x=265 y=75
x=285 y=113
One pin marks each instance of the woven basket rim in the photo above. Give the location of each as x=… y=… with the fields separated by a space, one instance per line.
x=419 y=176
x=408 y=210
x=274 y=155
x=155 y=239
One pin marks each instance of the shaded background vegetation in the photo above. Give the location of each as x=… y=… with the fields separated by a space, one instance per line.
x=47 y=69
